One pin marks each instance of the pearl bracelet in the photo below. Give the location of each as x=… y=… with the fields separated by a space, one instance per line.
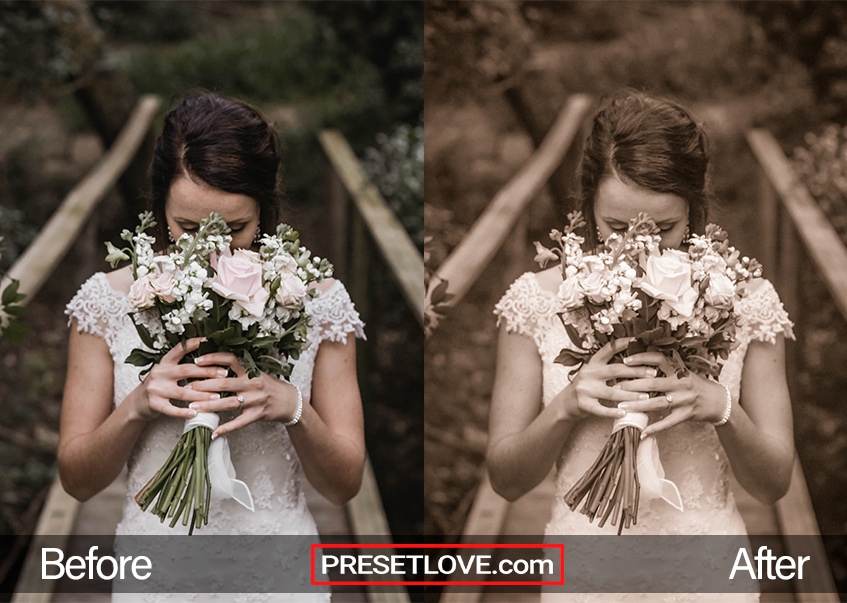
x=728 y=410
x=299 y=412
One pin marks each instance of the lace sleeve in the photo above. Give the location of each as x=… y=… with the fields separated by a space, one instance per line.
x=95 y=307
x=524 y=308
x=334 y=316
x=762 y=315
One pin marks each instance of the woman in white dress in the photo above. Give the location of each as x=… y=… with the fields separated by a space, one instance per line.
x=643 y=154
x=214 y=154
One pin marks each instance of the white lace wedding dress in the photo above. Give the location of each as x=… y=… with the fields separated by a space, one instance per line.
x=691 y=453
x=262 y=453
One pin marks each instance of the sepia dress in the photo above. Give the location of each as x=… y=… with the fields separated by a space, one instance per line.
x=690 y=452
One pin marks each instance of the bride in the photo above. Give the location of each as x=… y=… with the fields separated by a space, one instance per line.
x=643 y=154
x=214 y=155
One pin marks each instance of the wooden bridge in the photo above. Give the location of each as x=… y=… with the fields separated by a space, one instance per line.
x=788 y=215
x=362 y=221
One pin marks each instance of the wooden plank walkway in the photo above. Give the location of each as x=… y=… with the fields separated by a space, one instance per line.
x=530 y=514
x=100 y=516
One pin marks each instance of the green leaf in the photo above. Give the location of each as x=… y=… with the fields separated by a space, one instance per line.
x=16 y=331
x=15 y=310
x=10 y=293
x=140 y=357
x=143 y=333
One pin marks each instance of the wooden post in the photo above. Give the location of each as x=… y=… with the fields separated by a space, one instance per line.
x=788 y=276
x=768 y=218
x=339 y=216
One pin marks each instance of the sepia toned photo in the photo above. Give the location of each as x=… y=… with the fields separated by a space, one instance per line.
x=634 y=271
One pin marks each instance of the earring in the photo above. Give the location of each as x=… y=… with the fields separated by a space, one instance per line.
x=171 y=235
x=687 y=234
x=258 y=237
x=599 y=234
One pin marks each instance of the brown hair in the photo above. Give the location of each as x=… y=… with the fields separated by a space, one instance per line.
x=651 y=142
x=223 y=142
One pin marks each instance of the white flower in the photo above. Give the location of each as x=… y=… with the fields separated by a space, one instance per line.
x=721 y=291
x=668 y=277
x=570 y=295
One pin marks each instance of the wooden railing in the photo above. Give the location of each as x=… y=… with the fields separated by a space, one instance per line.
x=57 y=518
x=32 y=269
x=362 y=221
x=790 y=217
x=464 y=266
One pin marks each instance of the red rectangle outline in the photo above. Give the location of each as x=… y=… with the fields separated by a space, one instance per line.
x=560 y=547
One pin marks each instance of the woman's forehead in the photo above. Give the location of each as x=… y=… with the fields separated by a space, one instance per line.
x=618 y=200
x=192 y=200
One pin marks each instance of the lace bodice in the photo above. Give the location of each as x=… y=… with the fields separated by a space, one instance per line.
x=691 y=452
x=262 y=452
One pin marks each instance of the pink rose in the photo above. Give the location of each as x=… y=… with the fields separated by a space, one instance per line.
x=238 y=277
x=291 y=292
x=163 y=285
x=141 y=293
x=668 y=277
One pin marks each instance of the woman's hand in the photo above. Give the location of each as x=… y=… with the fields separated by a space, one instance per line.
x=591 y=385
x=690 y=398
x=263 y=398
x=161 y=385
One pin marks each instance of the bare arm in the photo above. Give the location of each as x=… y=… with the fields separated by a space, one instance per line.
x=525 y=440
x=95 y=440
x=758 y=439
x=329 y=437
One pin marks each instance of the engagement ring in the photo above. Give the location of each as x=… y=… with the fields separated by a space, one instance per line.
x=240 y=399
x=669 y=398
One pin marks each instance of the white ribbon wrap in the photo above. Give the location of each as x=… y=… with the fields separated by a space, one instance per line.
x=221 y=471
x=651 y=474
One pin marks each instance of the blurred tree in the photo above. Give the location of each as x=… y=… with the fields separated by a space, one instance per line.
x=389 y=35
x=815 y=33
x=484 y=48
x=56 y=47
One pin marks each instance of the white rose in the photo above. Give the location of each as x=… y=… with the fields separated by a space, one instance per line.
x=570 y=295
x=721 y=291
x=668 y=277
x=595 y=287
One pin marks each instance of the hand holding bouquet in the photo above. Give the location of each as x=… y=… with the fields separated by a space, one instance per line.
x=245 y=302
x=679 y=302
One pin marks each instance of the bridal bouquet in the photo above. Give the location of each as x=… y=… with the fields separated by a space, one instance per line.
x=245 y=302
x=676 y=301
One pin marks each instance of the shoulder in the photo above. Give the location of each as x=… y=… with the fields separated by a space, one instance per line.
x=333 y=313
x=529 y=302
x=121 y=279
x=326 y=284
x=761 y=312
x=100 y=303
x=550 y=279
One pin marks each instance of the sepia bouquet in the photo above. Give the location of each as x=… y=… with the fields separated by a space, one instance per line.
x=250 y=303
x=679 y=302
